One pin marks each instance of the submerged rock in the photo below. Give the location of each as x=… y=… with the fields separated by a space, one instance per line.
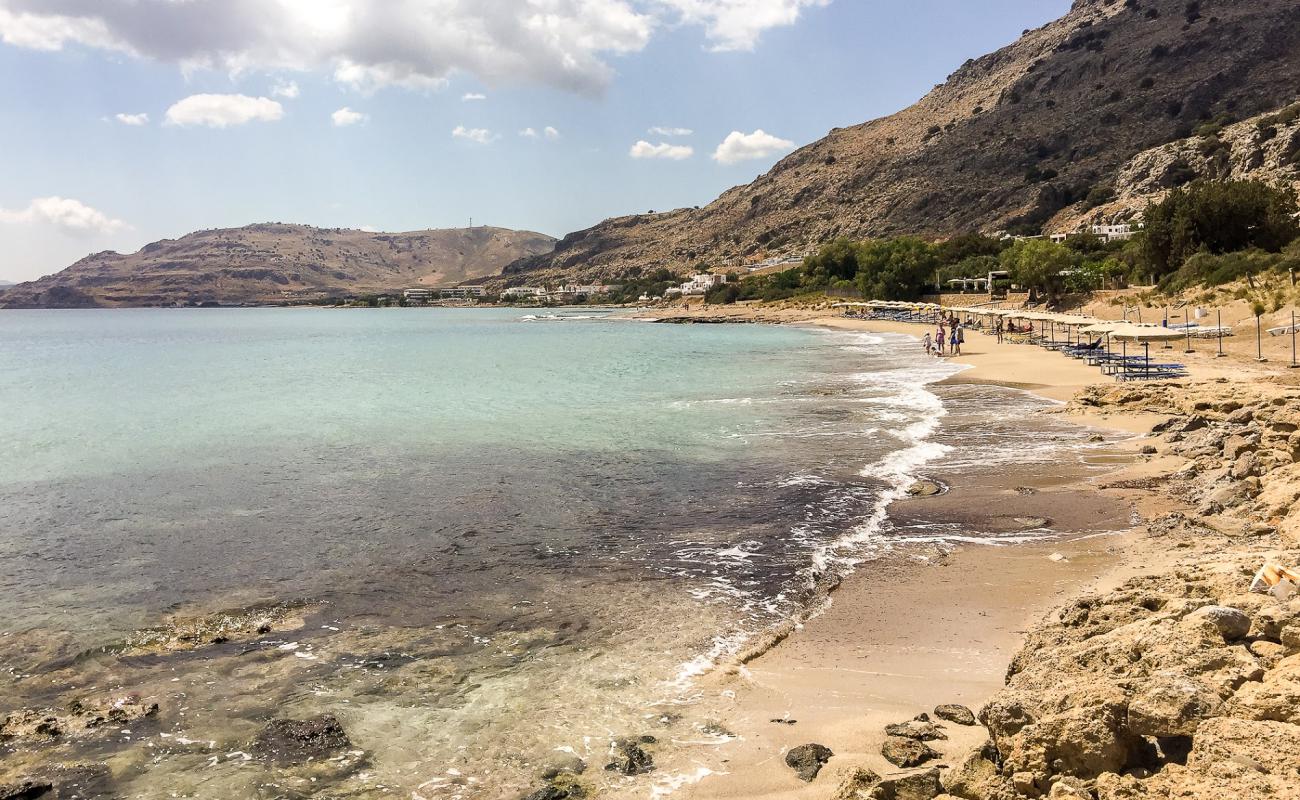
x=954 y=713
x=807 y=760
x=924 y=489
x=903 y=752
x=292 y=741
x=629 y=758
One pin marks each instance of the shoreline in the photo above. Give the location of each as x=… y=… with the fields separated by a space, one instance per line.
x=904 y=634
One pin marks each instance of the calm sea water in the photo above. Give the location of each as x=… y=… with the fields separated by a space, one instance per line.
x=546 y=528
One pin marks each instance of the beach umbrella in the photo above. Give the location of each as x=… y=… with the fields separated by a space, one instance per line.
x=1146 y=334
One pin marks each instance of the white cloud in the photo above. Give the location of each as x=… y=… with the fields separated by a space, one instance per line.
x=739 y=147
x=134 y=120
x=673 y=152
x=738 y=24
x=223 y=110
x=371 y=44
x=70 y=215
x=528 y=133
x=288 y=90
x=470 y=97
x=346 y=116
x=660 y=130
x=476 y=135
x=551 y=133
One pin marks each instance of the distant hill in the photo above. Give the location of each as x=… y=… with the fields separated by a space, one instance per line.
x=6 y=283
x=1027 y=137
x=273 y=262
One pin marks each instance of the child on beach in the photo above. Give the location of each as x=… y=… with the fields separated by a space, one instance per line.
x=939 y=338
x=927 y=344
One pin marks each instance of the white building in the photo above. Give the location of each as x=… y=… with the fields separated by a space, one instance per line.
x=460 y=292
x=702 y=283
x=417 y=297
x=1115 y=233
x=525 y=291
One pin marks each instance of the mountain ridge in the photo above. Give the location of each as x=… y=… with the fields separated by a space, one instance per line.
x=267 y=263
x=1010 y=140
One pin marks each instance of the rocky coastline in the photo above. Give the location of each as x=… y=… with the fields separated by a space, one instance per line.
x=1178 y=683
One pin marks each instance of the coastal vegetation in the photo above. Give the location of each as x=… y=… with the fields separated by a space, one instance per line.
x=1205 y=234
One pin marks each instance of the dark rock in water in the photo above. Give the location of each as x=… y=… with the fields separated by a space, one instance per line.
x=62 y=782
x=293 y=741
x=565 y=764
x=957 y=714
x=785 y=721
x=807 y=760
x=563 y=789
x=914 y=729
x=924 y=489
x=1148 y=449
x=26 y=790
x=629 y=758
x=903 y=752
x=917 y=786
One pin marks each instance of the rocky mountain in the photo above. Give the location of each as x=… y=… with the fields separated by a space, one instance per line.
x=1023 y=138
x=273 y=262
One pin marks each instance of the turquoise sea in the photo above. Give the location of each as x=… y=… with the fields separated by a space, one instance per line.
x=517 y=535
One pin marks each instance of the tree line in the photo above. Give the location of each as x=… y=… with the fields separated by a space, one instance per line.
x=1208 y=232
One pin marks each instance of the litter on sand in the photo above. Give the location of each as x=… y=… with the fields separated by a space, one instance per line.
x=1276 y=580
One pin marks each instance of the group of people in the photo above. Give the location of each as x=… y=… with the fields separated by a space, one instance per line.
x=949 y=334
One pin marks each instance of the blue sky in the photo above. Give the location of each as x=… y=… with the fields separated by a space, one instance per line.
x=600 y=73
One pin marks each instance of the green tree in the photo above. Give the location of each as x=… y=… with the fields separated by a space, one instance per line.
x=896 y=269
x=969 y=245
x=1219 y=217
x=1038 y=264
x=837 y=261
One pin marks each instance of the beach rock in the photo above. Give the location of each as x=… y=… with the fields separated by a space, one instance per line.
x=1149 y=450
x=807 y=760
x=857 y=785
x=569 y=764
x=1025 y=784
x=293 y=741
x=902 y=752
x=978 y=777
x=1268 y=653
x=1070 y=789
x=1235 y=446
x=26 y=789
x=1275 y=698
x=914 y=729
x=954 y=713
x=1171 y=706
x=629 y=758
x=564 y=787
x=1231 y=623
x=924 y=489
x=914 y=786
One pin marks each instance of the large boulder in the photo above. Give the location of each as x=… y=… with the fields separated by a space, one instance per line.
x=807 y=760
x=977 y=777
x=913 y=786
x=956 y=714
x=1275 y=698
x=1232 y=623
x=903 y=752
x=916 y=729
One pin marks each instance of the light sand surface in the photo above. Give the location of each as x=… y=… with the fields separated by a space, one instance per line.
x=895 y=643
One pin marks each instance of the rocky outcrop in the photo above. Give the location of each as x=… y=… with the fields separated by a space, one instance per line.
x=1180 y=683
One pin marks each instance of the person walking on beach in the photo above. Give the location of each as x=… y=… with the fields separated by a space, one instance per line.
x=939 y=338
x=928 y=344
x=956 y=339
